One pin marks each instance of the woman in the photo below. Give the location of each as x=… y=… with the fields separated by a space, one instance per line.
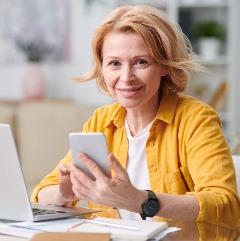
x=159 y=140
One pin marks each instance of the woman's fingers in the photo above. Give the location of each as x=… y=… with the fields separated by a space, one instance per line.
x=65 y=185
x=92 y=166
x=97 y=190
x=63 y=169
x=79 y=177
x=81 y=192
x=81 y=183
x=117 y=167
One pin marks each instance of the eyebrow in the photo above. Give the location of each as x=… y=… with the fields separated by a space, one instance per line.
x=134 y=57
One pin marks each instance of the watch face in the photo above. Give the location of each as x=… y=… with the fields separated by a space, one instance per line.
x=151 y=207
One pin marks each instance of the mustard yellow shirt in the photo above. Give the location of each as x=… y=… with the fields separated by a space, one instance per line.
x=186 y=154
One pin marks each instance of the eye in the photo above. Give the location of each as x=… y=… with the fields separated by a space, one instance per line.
x=114 y=63
x=141 y=62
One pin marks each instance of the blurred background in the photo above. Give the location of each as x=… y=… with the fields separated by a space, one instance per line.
x=43 y=44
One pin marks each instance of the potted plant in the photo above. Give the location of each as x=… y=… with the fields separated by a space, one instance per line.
x=33 y=82
x=210 y=34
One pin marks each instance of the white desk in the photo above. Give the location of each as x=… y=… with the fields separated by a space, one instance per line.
x=189 y=231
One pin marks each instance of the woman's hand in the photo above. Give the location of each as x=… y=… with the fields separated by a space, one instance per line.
x=116 y=191
x=60 y=194
x=65 y=185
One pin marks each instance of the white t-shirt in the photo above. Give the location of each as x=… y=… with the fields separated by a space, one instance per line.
x=137 y=165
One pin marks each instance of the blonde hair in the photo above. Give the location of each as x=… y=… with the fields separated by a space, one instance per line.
x=164 y=39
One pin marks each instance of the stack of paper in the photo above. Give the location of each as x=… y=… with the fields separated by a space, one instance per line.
x=118 y=228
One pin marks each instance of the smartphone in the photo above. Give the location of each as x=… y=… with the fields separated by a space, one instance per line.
x=93 y=144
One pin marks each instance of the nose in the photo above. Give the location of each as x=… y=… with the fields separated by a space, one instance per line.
x=127 y=74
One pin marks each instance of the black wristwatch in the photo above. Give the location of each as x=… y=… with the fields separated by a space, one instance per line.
x=151 y=206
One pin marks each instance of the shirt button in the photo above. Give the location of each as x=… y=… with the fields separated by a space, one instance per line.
x=151 y=143
x=154 y=169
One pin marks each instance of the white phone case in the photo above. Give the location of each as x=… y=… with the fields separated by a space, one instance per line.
x=93 y=144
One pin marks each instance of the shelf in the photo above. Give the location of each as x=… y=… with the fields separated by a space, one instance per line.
x=220 y=60
x=202 y=3
x=162 y=4
x=223 y=116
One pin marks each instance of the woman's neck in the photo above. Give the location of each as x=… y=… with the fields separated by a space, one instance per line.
x=138 y=118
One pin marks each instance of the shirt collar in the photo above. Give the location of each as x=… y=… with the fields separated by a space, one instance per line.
x=167 y=107
x=117 y=118
x=165 y=112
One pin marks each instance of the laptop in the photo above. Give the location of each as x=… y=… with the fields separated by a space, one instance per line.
x=14 y=200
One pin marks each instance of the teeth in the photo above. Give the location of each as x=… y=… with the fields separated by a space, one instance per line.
x=129 y=90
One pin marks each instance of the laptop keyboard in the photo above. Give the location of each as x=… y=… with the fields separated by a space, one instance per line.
x=44 y=212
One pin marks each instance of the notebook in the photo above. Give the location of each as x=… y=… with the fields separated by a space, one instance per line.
x=14 y=201
x=143 y=229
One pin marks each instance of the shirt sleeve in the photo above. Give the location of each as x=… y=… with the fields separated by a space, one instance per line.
x=211 y=168
x=51 y=179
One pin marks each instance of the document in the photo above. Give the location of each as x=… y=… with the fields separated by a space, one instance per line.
x=117 y=228
x=17 y=231
x=59 y=225
x=29 y=229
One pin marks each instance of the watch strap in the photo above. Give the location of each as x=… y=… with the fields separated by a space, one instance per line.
x=151 y=195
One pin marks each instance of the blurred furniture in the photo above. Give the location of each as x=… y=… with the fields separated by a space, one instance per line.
x=236 y=162
x=41 y=131
x=219 y=94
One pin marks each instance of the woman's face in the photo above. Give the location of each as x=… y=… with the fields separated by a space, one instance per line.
x=132 y=76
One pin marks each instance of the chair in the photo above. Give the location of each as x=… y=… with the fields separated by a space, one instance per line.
x=219 y=95
x=236 y=162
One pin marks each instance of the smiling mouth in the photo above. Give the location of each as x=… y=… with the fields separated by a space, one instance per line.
x=130 y=92
x=130 y=89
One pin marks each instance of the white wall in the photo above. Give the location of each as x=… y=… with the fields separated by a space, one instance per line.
x=11 y=81
x=58 y=76
x=234 y=87
x=83 y=22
